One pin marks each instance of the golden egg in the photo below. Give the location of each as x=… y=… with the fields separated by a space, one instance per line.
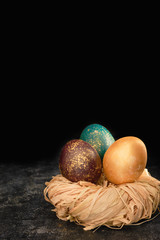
x=125 y=160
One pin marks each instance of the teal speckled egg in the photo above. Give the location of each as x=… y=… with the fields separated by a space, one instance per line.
x=99 y=137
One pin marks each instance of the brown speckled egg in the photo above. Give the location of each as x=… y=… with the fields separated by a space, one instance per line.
x=79 y=161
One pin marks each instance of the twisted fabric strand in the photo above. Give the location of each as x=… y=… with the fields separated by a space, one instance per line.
x=106 y=204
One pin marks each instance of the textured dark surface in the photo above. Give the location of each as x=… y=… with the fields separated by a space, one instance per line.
x=24 y=214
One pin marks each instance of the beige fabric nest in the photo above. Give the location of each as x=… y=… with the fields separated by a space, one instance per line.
x=106 y=204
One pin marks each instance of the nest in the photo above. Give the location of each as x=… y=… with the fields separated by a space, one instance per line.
x=105 y=203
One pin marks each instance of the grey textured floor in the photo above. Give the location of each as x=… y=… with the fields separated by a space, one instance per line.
x=24 y=214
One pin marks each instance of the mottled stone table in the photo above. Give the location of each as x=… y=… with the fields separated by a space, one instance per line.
x=24 y=214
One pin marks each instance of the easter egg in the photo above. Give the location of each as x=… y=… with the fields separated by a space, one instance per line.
x=125 y=160
x=79 y=161
x=99 y=137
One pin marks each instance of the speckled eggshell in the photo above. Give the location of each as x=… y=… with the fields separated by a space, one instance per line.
x=99 y=138
x=79 y=161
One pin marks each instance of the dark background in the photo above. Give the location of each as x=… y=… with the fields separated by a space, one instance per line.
x=38 y=120
x=57 y=80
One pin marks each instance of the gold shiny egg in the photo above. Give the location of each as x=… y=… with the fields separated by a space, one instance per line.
x=125 y=160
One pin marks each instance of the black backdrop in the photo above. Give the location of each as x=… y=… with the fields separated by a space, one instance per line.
x=39 y=119
x=54 y=83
